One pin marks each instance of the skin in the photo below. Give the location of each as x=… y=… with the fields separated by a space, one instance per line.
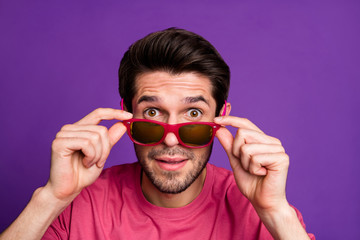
x=167 y=100
x=79 y=151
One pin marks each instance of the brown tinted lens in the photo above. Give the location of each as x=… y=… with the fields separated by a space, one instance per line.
x=146 y=132
x=196 y=134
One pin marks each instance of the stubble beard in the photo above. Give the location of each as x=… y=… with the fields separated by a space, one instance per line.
x=171 y=182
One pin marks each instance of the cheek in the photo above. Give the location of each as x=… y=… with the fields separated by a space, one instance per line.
x=202 y=154
x=206 y=152
x=141 y=152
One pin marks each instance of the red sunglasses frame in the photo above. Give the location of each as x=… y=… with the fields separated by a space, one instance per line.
x=173 y=128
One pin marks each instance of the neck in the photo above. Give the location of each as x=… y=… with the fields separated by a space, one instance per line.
x=154 y=196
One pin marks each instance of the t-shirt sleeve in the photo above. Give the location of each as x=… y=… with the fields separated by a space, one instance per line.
x=300 y=217
x=60 y=227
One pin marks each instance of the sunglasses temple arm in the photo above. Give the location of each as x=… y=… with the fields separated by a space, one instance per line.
x=224 y=112
x=122 y=104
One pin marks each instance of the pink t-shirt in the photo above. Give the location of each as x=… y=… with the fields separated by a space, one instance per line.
x=114 y=208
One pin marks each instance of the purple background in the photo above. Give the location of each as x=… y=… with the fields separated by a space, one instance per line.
x=295 y=72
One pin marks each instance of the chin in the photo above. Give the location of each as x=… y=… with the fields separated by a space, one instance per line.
x=172 y=182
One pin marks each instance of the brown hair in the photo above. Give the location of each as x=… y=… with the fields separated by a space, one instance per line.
x=174 y=51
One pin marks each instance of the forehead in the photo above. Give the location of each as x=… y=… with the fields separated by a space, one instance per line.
x=165 y=85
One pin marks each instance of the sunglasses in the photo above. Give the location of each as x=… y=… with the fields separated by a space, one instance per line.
x=190 y=134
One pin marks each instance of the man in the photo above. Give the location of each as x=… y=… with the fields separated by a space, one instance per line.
x=174 y=85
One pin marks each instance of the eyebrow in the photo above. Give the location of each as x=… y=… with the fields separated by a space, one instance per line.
x=147 y=98
x=195 y=99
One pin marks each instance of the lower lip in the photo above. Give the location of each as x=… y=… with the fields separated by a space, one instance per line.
x=171 y=166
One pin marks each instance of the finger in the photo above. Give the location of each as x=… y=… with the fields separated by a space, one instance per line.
x=100 y=114
x=95 y=138
x=116 y=132
x=109 y=137
x=261 y=164
x=246 y=136
x=114 y=135
x=247 y=151
x=103 y=133
x=236 y=122
x=66 y=146
x=257 y=169
x=226 y=140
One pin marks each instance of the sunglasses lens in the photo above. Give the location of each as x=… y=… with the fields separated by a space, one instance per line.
x=196 y=134
x=146 y=132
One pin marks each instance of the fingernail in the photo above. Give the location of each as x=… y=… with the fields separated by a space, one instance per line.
x=127 y=114
x=218 y=118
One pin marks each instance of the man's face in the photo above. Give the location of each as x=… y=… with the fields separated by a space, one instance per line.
x=173 y=99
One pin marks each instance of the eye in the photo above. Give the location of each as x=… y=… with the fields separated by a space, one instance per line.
x=194 y=113
x=151 y=112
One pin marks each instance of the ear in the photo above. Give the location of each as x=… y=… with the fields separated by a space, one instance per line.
x=228 y=109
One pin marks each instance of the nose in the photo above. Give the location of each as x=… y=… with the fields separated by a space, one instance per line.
x=171 y=140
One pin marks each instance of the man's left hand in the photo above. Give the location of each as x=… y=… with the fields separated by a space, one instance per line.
x=259 y=163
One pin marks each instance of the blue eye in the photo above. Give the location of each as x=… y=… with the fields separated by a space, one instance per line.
x=151 y=112
x=194 y=113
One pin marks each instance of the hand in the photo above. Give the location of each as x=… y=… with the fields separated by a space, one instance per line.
x=259 y=163
x=80 y=150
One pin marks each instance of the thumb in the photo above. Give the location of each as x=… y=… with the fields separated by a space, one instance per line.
x=116 y=132
x=226 y=139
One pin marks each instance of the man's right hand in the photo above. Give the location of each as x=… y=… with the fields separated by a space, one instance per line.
x=80 y=150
